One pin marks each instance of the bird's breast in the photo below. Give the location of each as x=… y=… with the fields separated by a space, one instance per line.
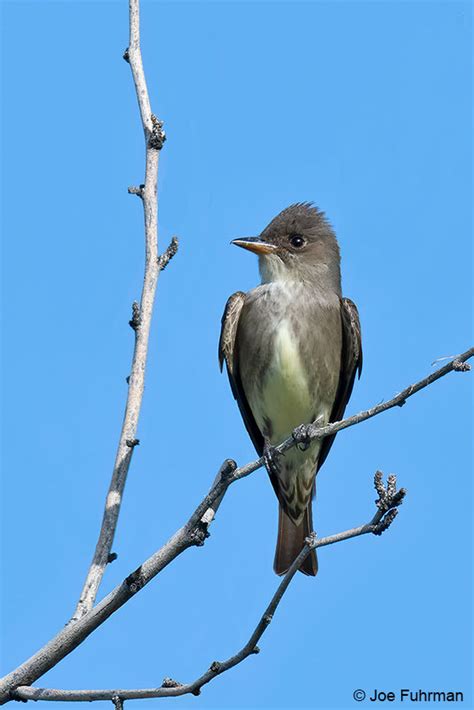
x=285 y=399
x=289 y=356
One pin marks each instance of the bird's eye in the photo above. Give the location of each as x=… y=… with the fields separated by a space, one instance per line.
x=296 y=240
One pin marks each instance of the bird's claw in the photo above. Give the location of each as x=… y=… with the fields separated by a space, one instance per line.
x=271 y=458
x=302 y=437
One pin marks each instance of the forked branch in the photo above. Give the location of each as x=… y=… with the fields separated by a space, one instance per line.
x=89 y=615
x=387 y=505
x=194 y=532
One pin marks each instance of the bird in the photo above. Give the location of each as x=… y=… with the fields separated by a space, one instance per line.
x=292 y=348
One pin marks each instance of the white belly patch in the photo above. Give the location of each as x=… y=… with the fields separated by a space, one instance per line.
x=285 y=398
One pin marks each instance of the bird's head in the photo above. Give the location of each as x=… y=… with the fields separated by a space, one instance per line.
x=298 y=244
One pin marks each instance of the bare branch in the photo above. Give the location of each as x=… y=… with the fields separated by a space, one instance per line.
x=307 y=432
x=140 y=322
x=194 y=532
x=391 y=499
x=88 y=617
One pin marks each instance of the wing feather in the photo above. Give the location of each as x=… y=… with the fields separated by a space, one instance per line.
x=228 y=352
x=351 y=363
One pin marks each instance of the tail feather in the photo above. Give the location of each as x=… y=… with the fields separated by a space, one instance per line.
x=290 y=542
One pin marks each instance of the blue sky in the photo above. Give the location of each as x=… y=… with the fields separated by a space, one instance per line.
x=364 y=108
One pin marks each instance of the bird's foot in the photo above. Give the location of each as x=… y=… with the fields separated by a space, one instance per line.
x=302 y=436
x=271 y=459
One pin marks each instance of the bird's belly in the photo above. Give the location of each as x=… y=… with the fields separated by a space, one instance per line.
x=286 y=398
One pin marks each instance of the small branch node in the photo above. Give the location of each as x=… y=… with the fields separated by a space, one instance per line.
x=386 y=521
x=134 y=581
x=215 y=666
x=138 y=191
x=112 y=557
x=199 y=534
x=302 y=436
x=170 y=683
x=311 y=540
x=165 y=258
x=459 y=366
x=126 y=56
x=158 y=136
x=196 y=692
x=131 y=443
x=227 y=469
x=136 y=319
x=256 y=649
x=388 y=501
x=267 y=619
x=118 y=702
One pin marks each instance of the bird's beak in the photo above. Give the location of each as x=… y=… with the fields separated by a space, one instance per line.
x=255 y=244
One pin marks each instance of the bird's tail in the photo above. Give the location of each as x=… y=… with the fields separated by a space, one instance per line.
x=290 y=542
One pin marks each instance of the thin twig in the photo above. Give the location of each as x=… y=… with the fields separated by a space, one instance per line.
x=141 y=321
x=192 y=533
x=389 y=500
x=313 y=431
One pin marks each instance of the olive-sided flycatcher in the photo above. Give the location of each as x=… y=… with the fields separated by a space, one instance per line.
x=292 y=348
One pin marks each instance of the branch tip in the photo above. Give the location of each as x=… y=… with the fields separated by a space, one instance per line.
x=459 y=366
x=378 y=483
x=391 y=485
x=227 y=469
x=134 y=190
x=399 y=497
x=387 y=503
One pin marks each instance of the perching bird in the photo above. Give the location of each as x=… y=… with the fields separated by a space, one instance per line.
x=292 y=347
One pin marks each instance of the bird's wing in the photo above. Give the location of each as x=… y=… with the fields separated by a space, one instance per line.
x=351 y=362
x=228 y=352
